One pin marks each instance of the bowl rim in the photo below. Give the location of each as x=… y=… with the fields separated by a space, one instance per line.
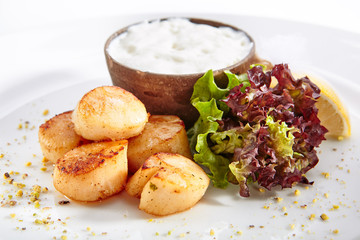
x=193 y=20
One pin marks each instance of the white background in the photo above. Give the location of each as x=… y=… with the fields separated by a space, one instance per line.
x=16 y=15
x=27 y=29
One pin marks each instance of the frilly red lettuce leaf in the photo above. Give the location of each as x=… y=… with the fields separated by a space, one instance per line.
x=262 y=134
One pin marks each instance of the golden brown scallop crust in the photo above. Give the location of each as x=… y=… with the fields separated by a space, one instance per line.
x=57 y=136
x=109 y=112
x=92 y=171
x=80 y=165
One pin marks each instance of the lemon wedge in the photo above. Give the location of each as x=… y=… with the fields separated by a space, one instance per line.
x=333 y=114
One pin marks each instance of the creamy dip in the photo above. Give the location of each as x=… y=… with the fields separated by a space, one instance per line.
x=178 y=46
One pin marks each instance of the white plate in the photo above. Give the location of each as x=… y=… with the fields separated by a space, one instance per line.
x=221 y=214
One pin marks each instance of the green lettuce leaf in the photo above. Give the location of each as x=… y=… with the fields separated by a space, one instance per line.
x=236 y=80
x=205 y=125
x=226 y=141
x=206 y=99
x=281 y=137
x=217 y=164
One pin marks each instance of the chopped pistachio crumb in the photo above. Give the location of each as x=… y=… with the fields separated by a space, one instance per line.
x=28 y=164
x=33 y=199
x=19 y=193
x=20 y=126
x=19 y=185
x=261 y=190
x=312 y=216
x=38 y=221
x=336 y=206
x=339 y=167
x=153 y=186
x=297 y=192
x=325 y=174
x=182 y=235
x=239 y=232
x=37 y=204
x=45 y=112
x=1 y=155
x=64 y=202
x=284 y=209
x=278 y=199
x=36 y=188
x=326 y=195
x=324 y=217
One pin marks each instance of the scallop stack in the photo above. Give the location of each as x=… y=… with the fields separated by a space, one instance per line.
x=107 y=138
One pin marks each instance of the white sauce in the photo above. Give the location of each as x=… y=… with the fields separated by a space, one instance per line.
x=178 y=46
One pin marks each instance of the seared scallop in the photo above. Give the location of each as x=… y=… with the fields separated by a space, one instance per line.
x=92 y=171
x=109 y=112
x=57 y=136
x=162 y=133
x=168 y=183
